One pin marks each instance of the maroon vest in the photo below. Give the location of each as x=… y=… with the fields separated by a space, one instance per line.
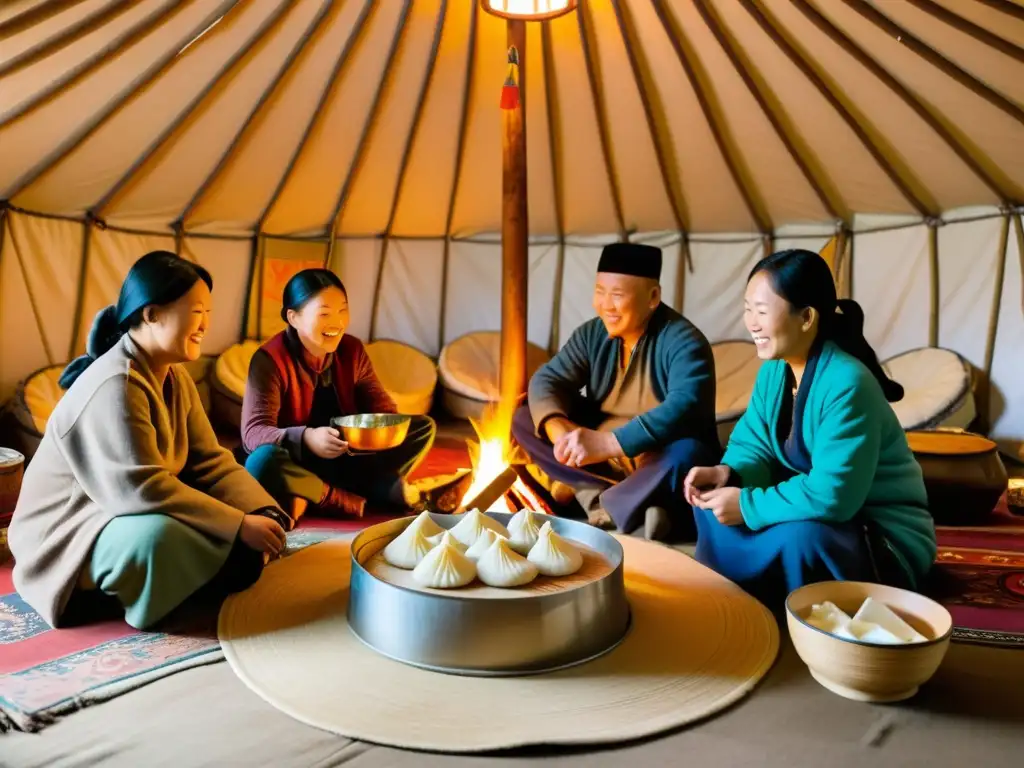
x=298 y=385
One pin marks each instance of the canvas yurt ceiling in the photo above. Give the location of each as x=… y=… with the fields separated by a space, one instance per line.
x=244 y=133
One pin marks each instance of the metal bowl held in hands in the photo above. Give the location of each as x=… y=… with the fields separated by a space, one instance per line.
x=372 y=431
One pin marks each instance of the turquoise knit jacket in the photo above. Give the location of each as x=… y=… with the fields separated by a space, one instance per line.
x=860 y=459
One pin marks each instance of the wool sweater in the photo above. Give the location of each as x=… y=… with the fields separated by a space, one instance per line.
x=860 y=459
x=121 y=443
x=283 y=378
x=676 y=362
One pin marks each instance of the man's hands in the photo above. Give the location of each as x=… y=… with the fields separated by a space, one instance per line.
x=577 y=446
x=557 y=426
x=324 y=442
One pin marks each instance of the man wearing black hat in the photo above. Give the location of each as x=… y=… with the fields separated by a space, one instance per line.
x=648 y=412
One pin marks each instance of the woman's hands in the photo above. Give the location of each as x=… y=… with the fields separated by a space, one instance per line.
x=702 y=479
x=262 y=534
x=704 y=487
x=324 y=442
x=724 y=504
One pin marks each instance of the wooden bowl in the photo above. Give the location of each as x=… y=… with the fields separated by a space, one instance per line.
x=869 y=671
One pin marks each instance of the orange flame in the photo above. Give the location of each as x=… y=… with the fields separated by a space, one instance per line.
x=490 y=456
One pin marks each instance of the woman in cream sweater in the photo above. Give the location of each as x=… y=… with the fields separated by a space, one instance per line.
x=130 y=495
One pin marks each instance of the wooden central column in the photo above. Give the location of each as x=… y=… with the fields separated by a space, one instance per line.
x=514 y=234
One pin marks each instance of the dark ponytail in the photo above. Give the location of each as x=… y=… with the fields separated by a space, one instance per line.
x=306 y=286
x=803 y=279
x=158 y=278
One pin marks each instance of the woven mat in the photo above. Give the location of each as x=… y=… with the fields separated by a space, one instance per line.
x=697 y=644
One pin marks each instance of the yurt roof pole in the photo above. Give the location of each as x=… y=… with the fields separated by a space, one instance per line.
x=1009 y=7
x=264 y=29
x=37 y=14
x=968 y=27
x=554 y=130
x=157 y=68
x=638 y=65
x=906 y=186
x=596 y=95
x=328 y=90
x=460 y=151
x=66 y=36
x=311 y=32
x=331 y=227
x=802 y=155
x=719 y=130
x=635 y=52
x=99 y=56
x=936 y=59
x=927 y=112
x=403 y=167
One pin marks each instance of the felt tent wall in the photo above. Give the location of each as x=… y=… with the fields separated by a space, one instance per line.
x=260 y=136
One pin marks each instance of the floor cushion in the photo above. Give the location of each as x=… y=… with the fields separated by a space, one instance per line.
x=408 y=375
x=468 y=371
x=938 y=388
x=227 y=384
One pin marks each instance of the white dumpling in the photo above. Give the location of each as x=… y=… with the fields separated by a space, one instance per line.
x=408 y=548
x=426 y=524
x=553 y=554
x=436 y=539
x=517 y=520
x=483 y=543
x=499 y=566
x=472 y=524
x=445 y=567
x=525 y=515
x=524 y=531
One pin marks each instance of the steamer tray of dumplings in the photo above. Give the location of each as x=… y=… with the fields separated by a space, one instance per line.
x=488 y=594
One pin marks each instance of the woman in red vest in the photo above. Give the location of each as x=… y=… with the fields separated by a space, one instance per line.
x=301 y=379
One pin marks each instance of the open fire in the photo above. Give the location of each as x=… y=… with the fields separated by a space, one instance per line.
x=499 y=475
x=498 y=479
x=490 y=456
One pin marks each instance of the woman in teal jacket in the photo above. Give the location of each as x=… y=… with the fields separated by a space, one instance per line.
x=817 y=481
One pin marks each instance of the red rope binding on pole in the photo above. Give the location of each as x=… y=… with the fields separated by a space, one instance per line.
x=510 y=90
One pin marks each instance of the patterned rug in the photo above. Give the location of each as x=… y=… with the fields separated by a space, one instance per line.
x=979 y=577
x=46 y=673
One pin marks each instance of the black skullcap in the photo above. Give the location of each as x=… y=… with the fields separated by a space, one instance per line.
x=631 y=259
